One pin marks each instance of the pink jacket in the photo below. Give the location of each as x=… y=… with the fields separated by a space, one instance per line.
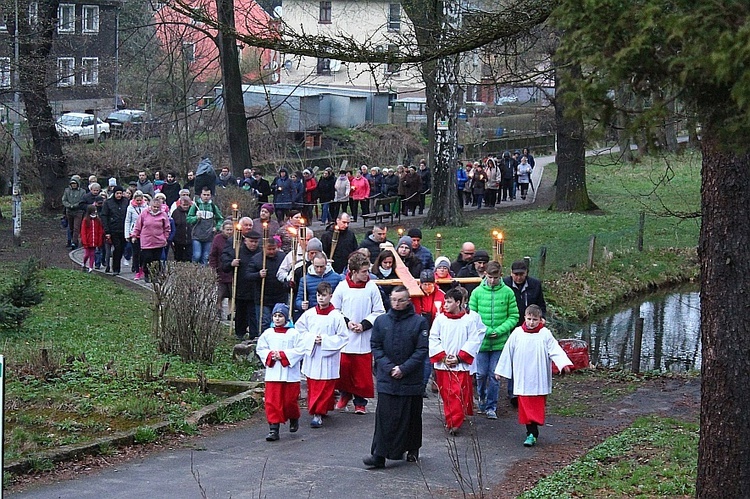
x=360 y=188
x=153 y=230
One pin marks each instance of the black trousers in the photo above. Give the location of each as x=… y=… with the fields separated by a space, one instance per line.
x=118 y=246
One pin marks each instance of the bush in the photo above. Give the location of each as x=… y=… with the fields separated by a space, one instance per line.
x=185 y=321
x=22 y=294
x=23 y=291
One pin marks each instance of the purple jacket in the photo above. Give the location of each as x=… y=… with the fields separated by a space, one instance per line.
x=153 y=230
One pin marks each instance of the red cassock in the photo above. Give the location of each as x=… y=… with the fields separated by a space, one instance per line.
x=456 y=392
x=356 y=374
x=531 y=409
x=320 y=397
x=281 y=401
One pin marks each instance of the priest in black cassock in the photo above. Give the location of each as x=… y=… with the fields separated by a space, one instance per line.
x=399 y=348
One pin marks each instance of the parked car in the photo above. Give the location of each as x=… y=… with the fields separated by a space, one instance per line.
x=80 y=126
x=133 y=123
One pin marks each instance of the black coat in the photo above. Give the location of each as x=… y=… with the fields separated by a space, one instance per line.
x=326 y=189
x=391 y=185
x=113 y=215
x=530 y=293
x=347 y=245
x=400 y=338
x=245 y=287
x=275 y=291
x=183 y=231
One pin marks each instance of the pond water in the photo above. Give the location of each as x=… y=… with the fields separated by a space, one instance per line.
x=671 y=333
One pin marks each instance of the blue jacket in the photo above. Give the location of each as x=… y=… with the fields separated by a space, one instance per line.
x=283 y=192
x=400 y=338
x=461 y=178
x=313 y=280
x=425 y=256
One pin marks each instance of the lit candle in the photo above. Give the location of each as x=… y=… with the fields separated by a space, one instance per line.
x=438 y=244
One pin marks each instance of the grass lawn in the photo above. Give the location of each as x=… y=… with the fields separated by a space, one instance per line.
x=654 y=457
x=662 y=188
x=94 y=379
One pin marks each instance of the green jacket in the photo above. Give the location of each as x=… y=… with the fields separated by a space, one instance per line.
x=71 y=198
x=498 y=310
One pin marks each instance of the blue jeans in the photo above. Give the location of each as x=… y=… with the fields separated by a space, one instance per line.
x=487 y=386
x=325 y=215
x=200 y=251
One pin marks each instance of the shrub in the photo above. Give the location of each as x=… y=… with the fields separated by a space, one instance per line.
x=185 y=321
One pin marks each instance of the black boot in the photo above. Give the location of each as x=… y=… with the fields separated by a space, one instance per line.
x=273 y=433
x=374 y=461
x=293 y=425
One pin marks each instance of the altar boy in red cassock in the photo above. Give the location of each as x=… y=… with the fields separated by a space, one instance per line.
x=323 y=334
x=359 y=300
x=455 y=338
x=279 y=350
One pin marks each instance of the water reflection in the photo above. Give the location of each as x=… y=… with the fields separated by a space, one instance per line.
x=671 y=333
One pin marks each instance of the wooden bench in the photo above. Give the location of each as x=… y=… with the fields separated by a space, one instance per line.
x=382 y=207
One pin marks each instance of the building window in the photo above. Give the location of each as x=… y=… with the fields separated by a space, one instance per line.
x=90 y=22
x=188 y=52
x=394 y=17
x=324 y=66
x=66 y=18
x=325 y=13
x=393 y=68
x=33 y=13
x=4 y=72
x=89 y=70
x=66 y=71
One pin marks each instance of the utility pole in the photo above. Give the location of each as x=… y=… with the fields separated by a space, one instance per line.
x=16 y=141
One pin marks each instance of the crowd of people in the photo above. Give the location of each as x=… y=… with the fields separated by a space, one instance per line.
x=330 y=307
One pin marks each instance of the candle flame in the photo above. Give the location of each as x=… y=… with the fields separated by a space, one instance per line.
x=239 y=227
x=494 y=233
x=499 y=236
x=438 y=235
x=400 y=231
x=234 y=206
x=302 y=221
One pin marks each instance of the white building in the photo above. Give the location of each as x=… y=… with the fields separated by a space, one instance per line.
x=378 y=24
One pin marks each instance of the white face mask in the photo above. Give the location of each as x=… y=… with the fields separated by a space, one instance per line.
x=386 y=272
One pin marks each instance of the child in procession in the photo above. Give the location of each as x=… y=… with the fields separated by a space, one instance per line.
x=526 y=359
x=323 y=334
x=92 y=236
x=455 y=338
x=278 y=350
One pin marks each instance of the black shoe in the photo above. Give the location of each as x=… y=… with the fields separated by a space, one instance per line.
x=293 y=425
x=273 y=433
x=374 y=461
x=412 y=456
x=107 y=271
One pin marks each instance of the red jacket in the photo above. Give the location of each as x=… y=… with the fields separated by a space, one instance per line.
x=429 y=306
x=310 y=190
x=92 y=232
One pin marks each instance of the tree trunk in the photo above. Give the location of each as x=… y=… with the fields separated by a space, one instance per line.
x=234 y=106
x=442 y=89
x=34 y=51
x=570 y=193
x=623 y=97
x=723 y=463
